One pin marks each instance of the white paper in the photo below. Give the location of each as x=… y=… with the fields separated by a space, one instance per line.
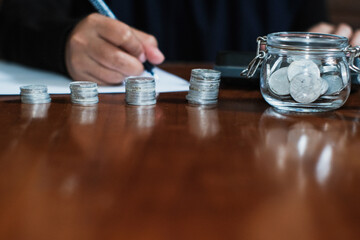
x=12 y=76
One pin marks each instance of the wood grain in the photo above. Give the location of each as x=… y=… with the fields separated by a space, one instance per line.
x=173 y=171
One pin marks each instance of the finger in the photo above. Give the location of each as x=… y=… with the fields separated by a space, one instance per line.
x=145 y=38
x=150 y=44
x=114 y=58
x=121 y=35
x=154 y=55
x=82 y=75
x=103 y=74
x=355 y=40
x=322 y=28
x=343 y=30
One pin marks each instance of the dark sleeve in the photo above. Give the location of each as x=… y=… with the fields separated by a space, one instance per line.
x=34 y=32
x=310 y=13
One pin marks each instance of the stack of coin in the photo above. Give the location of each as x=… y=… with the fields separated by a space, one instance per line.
x=140 y=91
x=305 y=82
x=204 y=86
x=34 y=94
x=84 y=93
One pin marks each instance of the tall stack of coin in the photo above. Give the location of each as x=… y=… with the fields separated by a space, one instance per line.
x=84 y=93
x=204 y=86
x=140 y=91
x=34 y=94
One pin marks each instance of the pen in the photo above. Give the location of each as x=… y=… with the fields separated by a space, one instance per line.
x=102 y=8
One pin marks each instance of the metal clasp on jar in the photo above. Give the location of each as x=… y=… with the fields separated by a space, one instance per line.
x=352 y=53
x=249 y=72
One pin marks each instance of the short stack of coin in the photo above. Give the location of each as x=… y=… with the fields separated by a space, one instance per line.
x=34 y=94
x=204 y=86
x=84 y=93
x=140 y=91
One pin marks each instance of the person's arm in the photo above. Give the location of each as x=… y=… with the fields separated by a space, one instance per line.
x=63 y=36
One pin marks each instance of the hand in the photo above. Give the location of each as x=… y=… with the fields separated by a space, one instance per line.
x=341 y=29
x=106 y=51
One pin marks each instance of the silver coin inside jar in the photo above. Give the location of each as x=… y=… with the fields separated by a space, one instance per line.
x=303 y=66
x=279 y=82
x=305 y=87
x=316 y=66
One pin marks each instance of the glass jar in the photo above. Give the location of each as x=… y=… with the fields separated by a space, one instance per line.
x=304 y=72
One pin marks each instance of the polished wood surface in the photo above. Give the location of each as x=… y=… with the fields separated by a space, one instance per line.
x=239 y=170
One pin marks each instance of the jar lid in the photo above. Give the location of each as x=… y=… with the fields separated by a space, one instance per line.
x=305 y=41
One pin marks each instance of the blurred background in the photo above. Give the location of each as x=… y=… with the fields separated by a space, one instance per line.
x=347 y=11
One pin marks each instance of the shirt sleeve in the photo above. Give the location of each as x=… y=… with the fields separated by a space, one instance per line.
x=34 y=32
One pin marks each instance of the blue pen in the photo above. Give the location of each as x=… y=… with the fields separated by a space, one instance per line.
x=102 y=8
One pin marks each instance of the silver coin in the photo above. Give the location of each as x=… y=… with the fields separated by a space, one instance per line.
x=205 y=74
x=303 y=66
x=204 y=86
x=194 y=100
x=203 y=89
x=305 y=88
x=35 y=97
x=140 y=91
x=335 y=84
x=203 y=96
x=279 y=82
x=35 y=101
x=84 y=93
x=85 y=103
x=345 y=73
x=293 y=58
x=34 y=94
x=324 y=86
x=142 y=103
x=84 y=97
x=141 y=81
x=83 y=85
x=33 y=89
x=139 y=98
x=140 y=87
x=196 y=90
x=276 y=65
x=329 y=69
x=139 y=94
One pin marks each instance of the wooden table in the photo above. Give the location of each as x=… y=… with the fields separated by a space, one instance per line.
x=173 y=171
